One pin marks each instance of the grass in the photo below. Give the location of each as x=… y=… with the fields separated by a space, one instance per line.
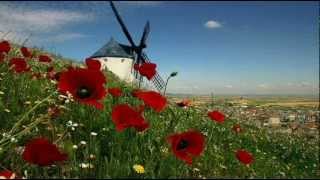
x=113 y=154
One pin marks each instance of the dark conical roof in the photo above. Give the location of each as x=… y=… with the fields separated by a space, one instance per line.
x=114 y=49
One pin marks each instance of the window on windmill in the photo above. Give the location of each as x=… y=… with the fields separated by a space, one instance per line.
x=106 y=59
x=122 y=60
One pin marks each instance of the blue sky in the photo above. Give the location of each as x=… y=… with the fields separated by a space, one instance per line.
x=220 y=47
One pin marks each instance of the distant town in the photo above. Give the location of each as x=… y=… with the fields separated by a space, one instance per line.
x=291 y=115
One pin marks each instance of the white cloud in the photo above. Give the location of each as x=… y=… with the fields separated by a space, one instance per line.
x=304 y=84
x=211 y=24
x=228 y=86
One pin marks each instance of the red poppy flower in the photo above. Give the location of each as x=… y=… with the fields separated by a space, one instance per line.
x=187 y=145
x=5 y=47
x=244 y=156
x=236 y=128
x=216 y=116
x=148 y=70
x=115 y=92
x=85 y=85
x=152 y=99
x=43 y=153
x=6 y=174
x=19 y=65
x=93 y=64
x=184 y=103
x=45 y=58
x=123 y=116
x=25 y=52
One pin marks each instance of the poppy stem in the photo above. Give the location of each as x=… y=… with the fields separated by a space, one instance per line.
x=26 y=114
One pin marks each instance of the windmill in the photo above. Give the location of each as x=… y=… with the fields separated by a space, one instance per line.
x=140 y=56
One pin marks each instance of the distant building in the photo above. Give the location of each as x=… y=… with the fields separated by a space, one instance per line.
x=274 y=121
x=292 y=117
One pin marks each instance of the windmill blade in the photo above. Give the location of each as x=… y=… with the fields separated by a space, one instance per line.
x=123 y=27
x=142 y=44
x=145 y=34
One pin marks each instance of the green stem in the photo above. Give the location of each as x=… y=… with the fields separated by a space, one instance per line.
x=26 y=114
x=165 y=87
x=21 y=120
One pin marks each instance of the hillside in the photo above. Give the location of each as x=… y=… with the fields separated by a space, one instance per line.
x=31 y=107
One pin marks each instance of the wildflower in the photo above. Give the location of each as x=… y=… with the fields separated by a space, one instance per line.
x=85 y=85
x=13 y=140
x=25 y=52
x=115 y=92
x=139 y=168
x=69 y=123
x=6 y=174
x=187 y=145
x=216 y=116
x=147 y=69
x=92 y=156
x=244 y=156
x=5 y=47
x=93 y=134
x=43 y=153
x=74 y=147
x=196 y=169
x=152 y=99
x=184 y=103
x=27 y=102
x=1 y=93
x=93 y=64
x=19 y=65
x=45 y=58
x=84 y=165
x=7 y=110
x=237 y=128
x=123 y=116
x=83 y=142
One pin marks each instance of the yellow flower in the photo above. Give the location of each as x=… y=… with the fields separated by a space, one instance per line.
x=138 y=168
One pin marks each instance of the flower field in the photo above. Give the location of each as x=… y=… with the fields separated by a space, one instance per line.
x=67 y=120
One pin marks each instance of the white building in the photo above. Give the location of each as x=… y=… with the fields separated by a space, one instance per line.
x=117 y=58
x=292 y=117
x=274 y=121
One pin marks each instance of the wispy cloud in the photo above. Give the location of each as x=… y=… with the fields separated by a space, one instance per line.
x=211 y=24
x=263 y=86
x=228 y=86
x=65 y=37
x=25 y=21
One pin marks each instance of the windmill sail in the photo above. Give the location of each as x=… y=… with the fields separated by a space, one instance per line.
x=141 y=57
